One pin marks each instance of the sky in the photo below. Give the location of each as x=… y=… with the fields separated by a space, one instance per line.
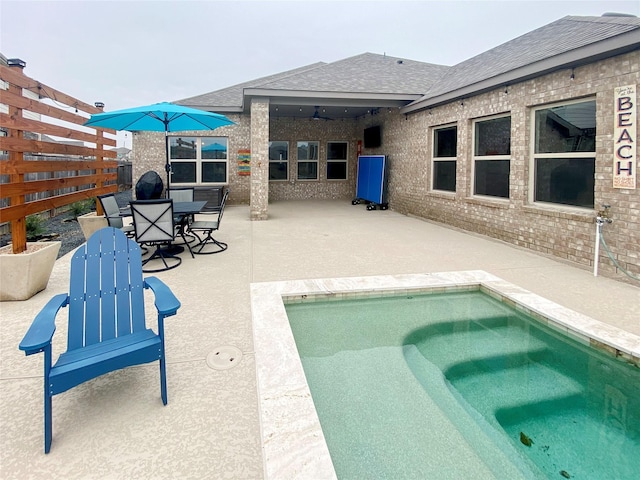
x=132 y=53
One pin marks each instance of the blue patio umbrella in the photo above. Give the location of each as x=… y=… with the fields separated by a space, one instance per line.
x=160 y=117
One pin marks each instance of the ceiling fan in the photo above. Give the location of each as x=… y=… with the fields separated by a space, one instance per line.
x=316 y=115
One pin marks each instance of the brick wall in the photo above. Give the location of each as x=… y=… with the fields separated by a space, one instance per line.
x=148 y=153
x=564 y=232
x=323 y=131
x=259 y=194
x=567 y=233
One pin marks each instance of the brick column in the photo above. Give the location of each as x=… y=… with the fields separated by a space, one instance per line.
x=259 y=197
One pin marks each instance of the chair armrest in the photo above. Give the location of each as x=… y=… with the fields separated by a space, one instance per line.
x=165 y=301
x=43 y=326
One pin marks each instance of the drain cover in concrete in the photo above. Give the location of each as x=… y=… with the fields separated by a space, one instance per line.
x=223 y=358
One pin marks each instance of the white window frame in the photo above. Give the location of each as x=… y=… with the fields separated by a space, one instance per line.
x=308 y=160
x=435 y=159
x=279 y=160
x=568 y=155
x=345 y=161
x=199 y=161
x=487 y=158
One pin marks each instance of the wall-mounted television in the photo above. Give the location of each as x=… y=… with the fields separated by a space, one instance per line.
x=372 y=137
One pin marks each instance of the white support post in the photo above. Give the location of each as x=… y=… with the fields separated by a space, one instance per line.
x=597 y=250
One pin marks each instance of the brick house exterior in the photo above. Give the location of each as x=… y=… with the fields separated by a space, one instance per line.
x=577 y=62
x=561 y=231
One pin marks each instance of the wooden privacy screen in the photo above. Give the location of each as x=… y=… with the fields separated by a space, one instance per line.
x=38 y=175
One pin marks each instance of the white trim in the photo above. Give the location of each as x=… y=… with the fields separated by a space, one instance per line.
x=337 y=160
x=435 y=159
x=483 y=158
x=308 y=160
x=274 y=160
x=533 y=156
x=199 y=161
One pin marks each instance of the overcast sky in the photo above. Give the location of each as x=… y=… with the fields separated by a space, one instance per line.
x=132 y=53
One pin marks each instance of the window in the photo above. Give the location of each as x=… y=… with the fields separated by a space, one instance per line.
x=564 y=154
x=198 y=160
x=337 y=160
x=491 y=156
x=278 y=161
x=445 y=144
x=307 y=160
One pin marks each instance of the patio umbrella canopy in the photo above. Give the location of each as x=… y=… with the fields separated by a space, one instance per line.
x=160 y=117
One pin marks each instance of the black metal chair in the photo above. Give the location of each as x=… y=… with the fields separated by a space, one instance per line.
x=154 y=226
x=206 y=228
x=183 y=194
x=111 y=211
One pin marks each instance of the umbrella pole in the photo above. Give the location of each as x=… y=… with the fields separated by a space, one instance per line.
x=167 y=164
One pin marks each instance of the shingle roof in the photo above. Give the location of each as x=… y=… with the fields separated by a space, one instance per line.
x=232 y=96
x=375 y=74
x=365 y=73
x=562 y=36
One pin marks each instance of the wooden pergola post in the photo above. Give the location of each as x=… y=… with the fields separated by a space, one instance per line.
x=16 y=159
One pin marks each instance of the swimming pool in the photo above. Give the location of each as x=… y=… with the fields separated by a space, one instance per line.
x=293 y=440
x=380 y=369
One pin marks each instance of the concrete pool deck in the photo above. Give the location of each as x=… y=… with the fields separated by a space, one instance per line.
x=116 y=427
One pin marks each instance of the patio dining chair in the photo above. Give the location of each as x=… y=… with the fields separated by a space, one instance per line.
x=106 y=319
x=207 y=244
x=183 y=194
x=111 y=211
x=154 y=226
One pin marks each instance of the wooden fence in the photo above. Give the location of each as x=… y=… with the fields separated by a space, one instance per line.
x=37 y=172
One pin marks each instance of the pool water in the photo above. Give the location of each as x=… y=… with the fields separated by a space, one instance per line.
x=404 y=384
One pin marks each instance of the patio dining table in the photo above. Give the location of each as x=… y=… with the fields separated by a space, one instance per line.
x=182 y=210
x=179 y=208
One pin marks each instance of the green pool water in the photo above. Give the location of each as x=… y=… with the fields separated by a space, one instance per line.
x=460 y=385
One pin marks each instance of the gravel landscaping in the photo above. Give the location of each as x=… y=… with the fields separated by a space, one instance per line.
x=66 y=229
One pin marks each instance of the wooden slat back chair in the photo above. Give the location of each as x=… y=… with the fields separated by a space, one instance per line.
x=112 y=213
x=106 y=319
x=183 y=194
x=154 y=226
x=208 y=244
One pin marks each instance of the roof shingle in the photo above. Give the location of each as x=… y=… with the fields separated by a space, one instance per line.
x=564 y=35
x=381 y=74
x=232 y=96
x=365 y=73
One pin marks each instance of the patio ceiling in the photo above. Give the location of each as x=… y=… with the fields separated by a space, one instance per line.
x=325 y=112
x=331 y=105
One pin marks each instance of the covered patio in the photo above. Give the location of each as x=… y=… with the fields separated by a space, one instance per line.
x=116 y=426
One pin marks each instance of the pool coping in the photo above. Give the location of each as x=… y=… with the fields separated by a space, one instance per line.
x=292 y=440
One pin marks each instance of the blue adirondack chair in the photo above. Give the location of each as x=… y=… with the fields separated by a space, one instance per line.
x=107 y=329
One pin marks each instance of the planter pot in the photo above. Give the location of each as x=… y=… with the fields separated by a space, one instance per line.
x=22 y=275
x=91 y=223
